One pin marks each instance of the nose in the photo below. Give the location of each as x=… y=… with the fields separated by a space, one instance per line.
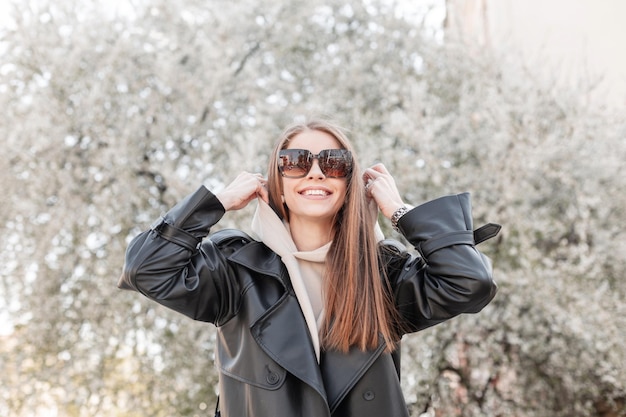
x=316 y=171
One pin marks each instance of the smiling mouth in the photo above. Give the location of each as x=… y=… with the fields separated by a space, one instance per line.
x=315 y=192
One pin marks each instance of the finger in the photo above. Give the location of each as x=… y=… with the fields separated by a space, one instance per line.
x=263 y=195
x=370 y=176
x=261 y=190
x=376 y=171
x=260 y=179
x=379 y=167
x=370 y=187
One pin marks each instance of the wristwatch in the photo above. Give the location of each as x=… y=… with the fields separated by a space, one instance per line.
x=395 y=217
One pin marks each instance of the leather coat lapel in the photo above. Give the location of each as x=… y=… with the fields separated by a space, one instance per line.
x=282 y=331
x=342 y=371
x=283 y=335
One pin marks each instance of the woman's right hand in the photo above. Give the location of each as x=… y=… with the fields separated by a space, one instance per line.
x=245 y=188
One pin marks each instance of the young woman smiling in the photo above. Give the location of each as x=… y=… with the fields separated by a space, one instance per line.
x=310 y=312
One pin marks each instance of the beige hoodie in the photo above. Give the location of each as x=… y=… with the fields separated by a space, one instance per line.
x=306 y=268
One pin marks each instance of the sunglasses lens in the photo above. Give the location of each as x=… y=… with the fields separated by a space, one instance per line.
x=335 y=163
x=296 y=163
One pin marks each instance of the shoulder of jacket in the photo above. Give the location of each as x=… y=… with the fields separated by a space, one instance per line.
x=230 y=237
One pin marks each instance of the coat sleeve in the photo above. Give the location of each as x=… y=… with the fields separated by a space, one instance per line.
x=168 y=265
x=451 y=276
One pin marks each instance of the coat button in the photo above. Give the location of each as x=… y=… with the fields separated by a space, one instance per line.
x=272 y=378
x=369 y=395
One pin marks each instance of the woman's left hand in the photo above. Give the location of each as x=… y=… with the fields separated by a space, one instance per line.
x=380 y=185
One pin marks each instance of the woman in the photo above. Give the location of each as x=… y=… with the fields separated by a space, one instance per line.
x=309 y=314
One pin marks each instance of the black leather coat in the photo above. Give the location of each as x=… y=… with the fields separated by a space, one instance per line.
x=265 y=357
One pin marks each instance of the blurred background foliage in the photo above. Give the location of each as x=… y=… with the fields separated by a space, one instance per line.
x=113 y=111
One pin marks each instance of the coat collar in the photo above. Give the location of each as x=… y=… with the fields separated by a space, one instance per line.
x=275 y=234
x=341 y=371
x=282 y=333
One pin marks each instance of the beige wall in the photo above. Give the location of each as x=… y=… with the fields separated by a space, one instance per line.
x=574 y=41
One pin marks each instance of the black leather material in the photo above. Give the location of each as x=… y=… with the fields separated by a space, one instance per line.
x=176 y=235
x=486 y=232
x=264 y=352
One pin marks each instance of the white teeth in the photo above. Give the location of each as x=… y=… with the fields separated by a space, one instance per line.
x=314 y=192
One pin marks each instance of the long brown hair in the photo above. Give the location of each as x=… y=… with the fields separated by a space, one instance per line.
x=358 y=305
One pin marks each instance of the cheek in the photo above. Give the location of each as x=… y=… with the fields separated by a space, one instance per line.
x=342 y=193
x=287 y=191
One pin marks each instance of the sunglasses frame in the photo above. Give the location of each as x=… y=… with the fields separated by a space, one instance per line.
x=344 y=155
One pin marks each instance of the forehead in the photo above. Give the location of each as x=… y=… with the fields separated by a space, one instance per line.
x=314 y=141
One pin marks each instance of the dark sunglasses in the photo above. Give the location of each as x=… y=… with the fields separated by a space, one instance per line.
x=296 y=163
